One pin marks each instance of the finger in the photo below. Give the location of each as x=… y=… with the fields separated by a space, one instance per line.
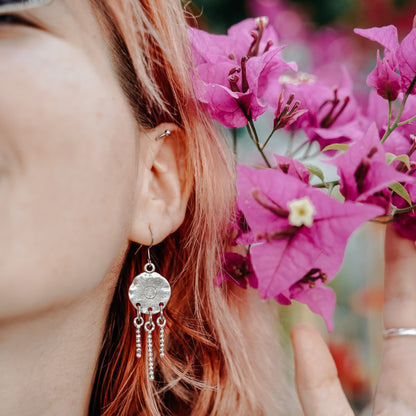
x=317 y=382
x=399 y=281
x=397 y=384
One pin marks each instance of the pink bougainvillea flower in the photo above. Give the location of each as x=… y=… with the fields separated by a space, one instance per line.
x=377 y=110
x=237 y=269
x=406 y=58
x=234 y=71
x=385 y=79
x=300 y=233
x=319 y=298
x=399 y=59
x=228 y=105
x=400 y=140
x=286 y=113
x=240 y=231
x=292 y=167
x=386 y=36
x=364 y=172
x=333 y=114
x=250 y=37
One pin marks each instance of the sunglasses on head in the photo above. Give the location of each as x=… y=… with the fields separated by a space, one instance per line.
x=7 y=6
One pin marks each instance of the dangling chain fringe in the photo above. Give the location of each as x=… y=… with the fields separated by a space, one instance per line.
x=149 y=327
x=161 y=322
x=149 y=294
x=138 y=323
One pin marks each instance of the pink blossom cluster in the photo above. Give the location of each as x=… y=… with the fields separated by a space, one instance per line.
x=295 y=232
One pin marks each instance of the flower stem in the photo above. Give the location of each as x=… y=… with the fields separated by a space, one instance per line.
x=268 y=139
x=389 y=123
x=404 y=210
x=408 y=121
x=397 y=122
x=255 y=139
x=254 y=136
x=330 y=184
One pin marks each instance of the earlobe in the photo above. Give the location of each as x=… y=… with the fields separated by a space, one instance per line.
x=162 y=186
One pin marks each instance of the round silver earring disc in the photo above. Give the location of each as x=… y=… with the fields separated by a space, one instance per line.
x=149 y=290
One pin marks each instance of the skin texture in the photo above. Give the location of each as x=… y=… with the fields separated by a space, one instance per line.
x=70 y=154
x=78 y=181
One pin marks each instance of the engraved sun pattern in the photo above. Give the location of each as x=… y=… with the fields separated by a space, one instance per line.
x=149 y=290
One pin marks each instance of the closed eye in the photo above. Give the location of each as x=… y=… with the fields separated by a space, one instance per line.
x=14 y=19
x=7 y=6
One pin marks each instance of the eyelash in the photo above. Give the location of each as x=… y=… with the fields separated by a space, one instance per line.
x=13 y=19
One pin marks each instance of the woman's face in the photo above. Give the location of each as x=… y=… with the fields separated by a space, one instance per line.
x=68 y=158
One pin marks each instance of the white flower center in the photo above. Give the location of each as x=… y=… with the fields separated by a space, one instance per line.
x=261 y=21
x=301 y=212
x=297 y=79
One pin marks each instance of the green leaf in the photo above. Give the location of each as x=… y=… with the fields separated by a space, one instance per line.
x=315 y=170
x=336 y=146
x=336 y=193
x=405 y=159
x=400 y=190
x=391 y=157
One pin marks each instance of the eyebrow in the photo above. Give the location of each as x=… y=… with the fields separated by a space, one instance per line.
x=17 y=5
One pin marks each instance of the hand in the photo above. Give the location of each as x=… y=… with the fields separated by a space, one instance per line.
x=317 y=382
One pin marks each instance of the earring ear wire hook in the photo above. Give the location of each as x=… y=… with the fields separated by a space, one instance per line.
x=148 y=249
x=149 y=260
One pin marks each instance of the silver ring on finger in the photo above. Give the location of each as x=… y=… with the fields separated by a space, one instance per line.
x=398 y=332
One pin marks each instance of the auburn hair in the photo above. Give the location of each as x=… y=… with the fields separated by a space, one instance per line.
x=221 y=354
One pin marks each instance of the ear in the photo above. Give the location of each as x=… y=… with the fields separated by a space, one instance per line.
x=163 y=188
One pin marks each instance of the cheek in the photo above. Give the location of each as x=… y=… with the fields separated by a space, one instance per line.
x=67 y=174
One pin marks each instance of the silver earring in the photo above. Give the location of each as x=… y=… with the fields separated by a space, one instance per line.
x=166 y=133
x=149 y=293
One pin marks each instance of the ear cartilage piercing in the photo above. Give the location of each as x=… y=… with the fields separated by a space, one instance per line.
x=149 y=293
x=166 y=133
